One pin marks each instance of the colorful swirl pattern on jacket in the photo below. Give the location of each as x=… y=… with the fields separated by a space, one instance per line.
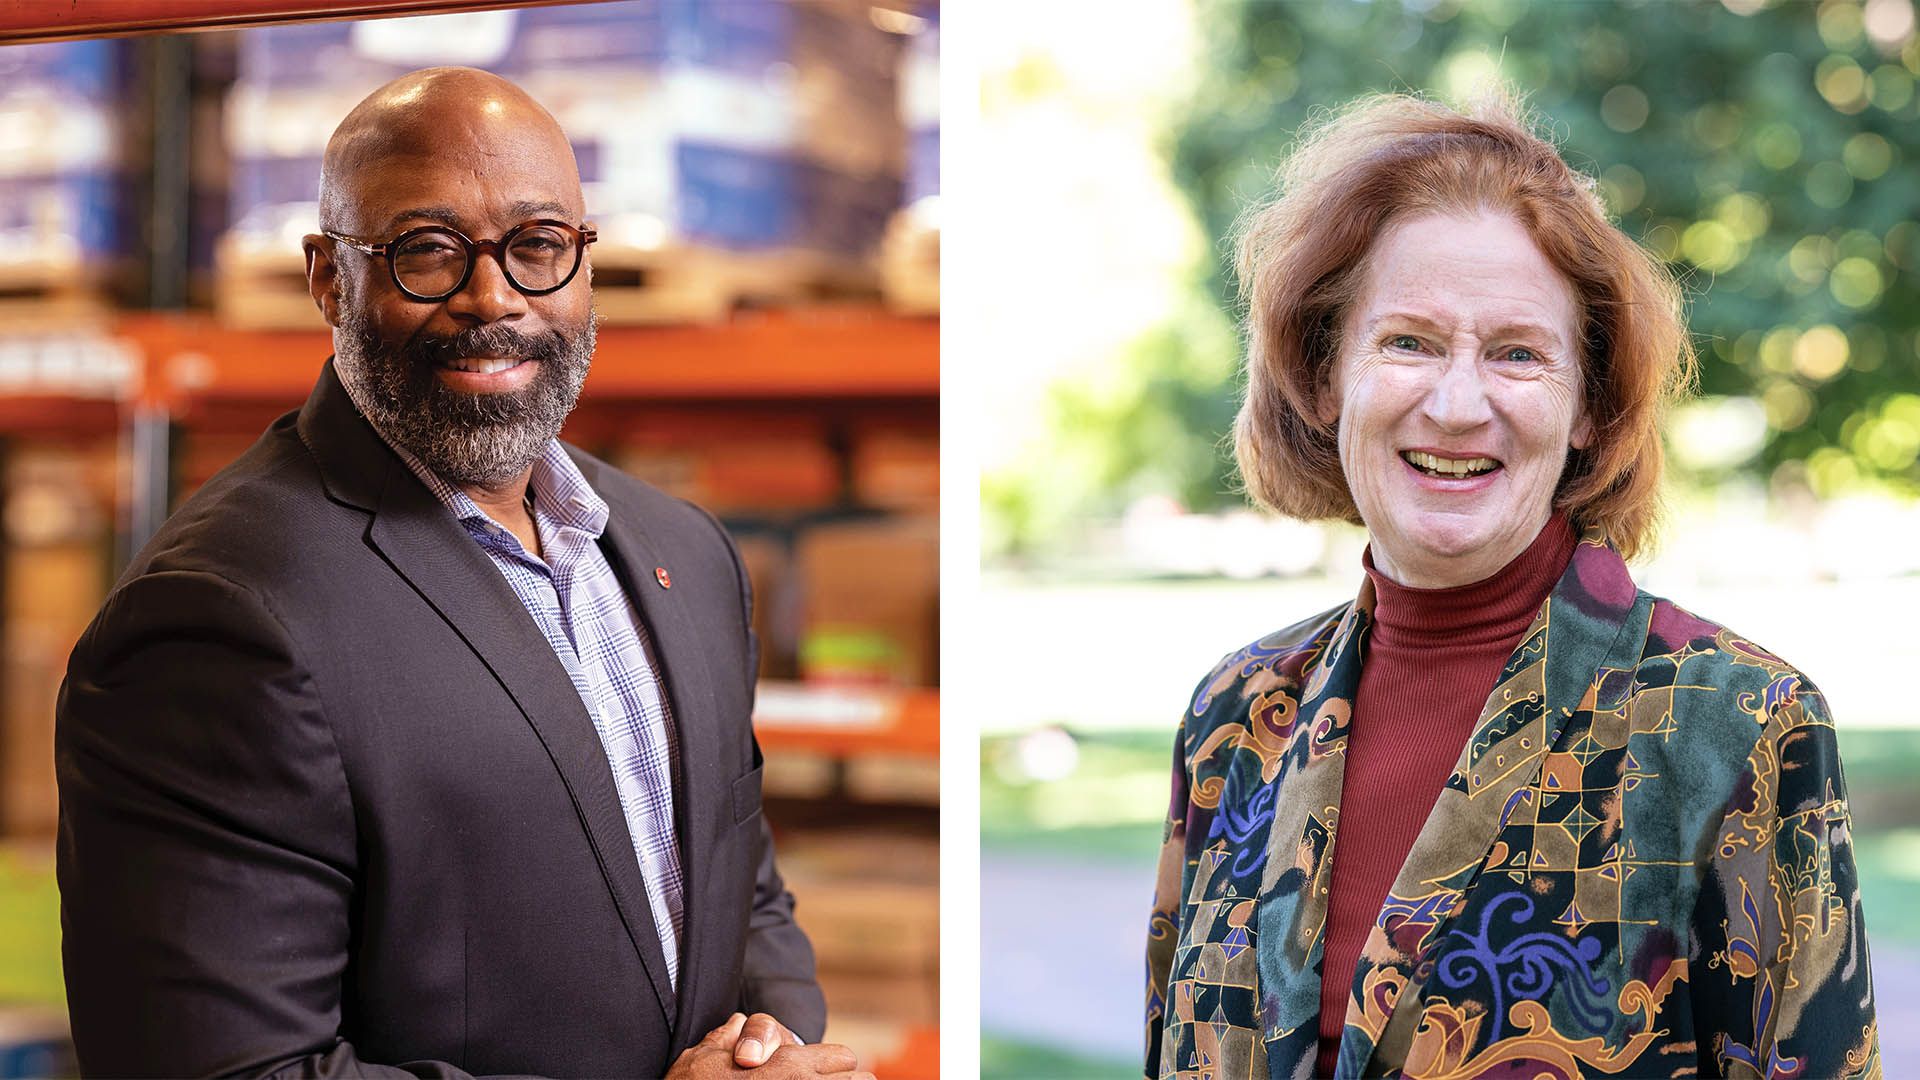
x=1642 y=864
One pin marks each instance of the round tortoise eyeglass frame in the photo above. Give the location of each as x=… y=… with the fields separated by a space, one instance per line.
x=580 y=236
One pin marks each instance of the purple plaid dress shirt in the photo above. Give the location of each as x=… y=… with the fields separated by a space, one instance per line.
x=572 y=593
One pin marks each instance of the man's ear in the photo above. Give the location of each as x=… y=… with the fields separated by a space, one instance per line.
x=321 y=271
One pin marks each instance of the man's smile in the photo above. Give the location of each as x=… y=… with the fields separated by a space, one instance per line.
x=485 y=365
x=487 y=374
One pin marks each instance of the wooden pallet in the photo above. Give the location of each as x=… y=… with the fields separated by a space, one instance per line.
x=264 y=289
x=910 y=265
x=50 y=291
x=689 y=284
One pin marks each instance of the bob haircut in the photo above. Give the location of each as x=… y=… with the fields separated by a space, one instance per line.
x=1302 y=259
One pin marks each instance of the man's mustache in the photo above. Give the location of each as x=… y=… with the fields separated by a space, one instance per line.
x=486 y=341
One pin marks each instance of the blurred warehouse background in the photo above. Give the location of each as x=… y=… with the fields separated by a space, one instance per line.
x=1768 y=150
x=764 y=175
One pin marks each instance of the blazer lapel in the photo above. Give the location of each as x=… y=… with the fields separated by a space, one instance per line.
x=434 y=554
x=701 y=791
x=1564 y=662
x=1315 y=720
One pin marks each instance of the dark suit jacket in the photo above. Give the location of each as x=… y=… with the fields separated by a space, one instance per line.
x=328 y=799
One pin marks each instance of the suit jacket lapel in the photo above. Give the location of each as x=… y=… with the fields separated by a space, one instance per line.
x=428 y=548
x=699 y=785
x=1565 y=661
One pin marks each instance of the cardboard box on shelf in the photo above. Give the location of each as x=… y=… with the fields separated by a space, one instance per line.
x=65 y=223
x=894 y=778
x=775 y=472
x=910 y=260
x=869 y=900
x=894 y=999
x=765 y=130
x=920 y=108
x=769 y=568
x=878 y=926
x=34 y=661
x=795 y=774
x=910 y=248
x=897 y=469
x=871 y=853
x=58 y=521
x=869 y=897
x=59 y=104
x=208 y=179
x=58 y=493
x=870 y=590
x=65 y=360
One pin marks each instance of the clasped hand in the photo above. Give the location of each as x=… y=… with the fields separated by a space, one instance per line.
x=762 y=1047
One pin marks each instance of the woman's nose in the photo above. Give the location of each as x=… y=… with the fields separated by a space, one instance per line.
x=1457 y=400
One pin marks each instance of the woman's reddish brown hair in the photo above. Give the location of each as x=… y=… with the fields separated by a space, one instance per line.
x=1302 y=259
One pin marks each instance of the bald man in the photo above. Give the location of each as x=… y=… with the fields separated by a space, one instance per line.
x=417 y=742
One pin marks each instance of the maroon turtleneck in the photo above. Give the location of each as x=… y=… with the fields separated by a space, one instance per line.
x=1431 y=660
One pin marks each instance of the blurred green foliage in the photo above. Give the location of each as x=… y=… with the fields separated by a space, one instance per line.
x=1147 y=424
x=1768 y=151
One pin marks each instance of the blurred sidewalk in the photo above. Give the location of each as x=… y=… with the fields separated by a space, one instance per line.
x=1063 y=964
x=1062 y=960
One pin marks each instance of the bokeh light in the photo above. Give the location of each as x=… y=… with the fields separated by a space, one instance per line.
x=1842 y=25
x=1867 y=156
x=1776 y=145
x=1829 y=185
x=1625 y=108
x=1821 y=352
x=1856 y=282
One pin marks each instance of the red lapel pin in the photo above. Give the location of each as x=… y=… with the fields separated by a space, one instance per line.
x=660 y=575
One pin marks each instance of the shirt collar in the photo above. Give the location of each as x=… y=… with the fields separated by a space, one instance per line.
x=559 y=488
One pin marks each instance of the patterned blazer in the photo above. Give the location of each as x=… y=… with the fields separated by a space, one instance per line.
x=1641 y=865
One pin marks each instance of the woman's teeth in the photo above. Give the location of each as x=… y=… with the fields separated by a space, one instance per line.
x=484 y=365
x=1434 y=465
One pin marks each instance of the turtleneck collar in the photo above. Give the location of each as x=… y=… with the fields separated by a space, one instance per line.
x=1488 y=610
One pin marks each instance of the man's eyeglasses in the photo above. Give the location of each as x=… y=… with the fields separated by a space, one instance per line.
x=433 y=262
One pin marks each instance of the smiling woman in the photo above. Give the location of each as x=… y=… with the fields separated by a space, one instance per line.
x=1504 y=810
x=1457 y=396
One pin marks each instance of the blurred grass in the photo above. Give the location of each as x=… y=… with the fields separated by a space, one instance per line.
x=29 y=929
x=1016 y=1060
x=1889 y=865
x=1086 y=814
x=1108 y=809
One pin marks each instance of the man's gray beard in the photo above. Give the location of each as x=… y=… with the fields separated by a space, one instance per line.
x=465 y=438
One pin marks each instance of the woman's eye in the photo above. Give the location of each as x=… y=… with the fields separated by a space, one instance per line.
x=1403 y=341
x=1522 y=355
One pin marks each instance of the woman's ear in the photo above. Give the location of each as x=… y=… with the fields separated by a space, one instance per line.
x=1326 y=396
x=1582 y=435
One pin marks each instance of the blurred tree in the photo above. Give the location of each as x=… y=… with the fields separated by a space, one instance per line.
x=1148 y=424
x=1767 y=150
